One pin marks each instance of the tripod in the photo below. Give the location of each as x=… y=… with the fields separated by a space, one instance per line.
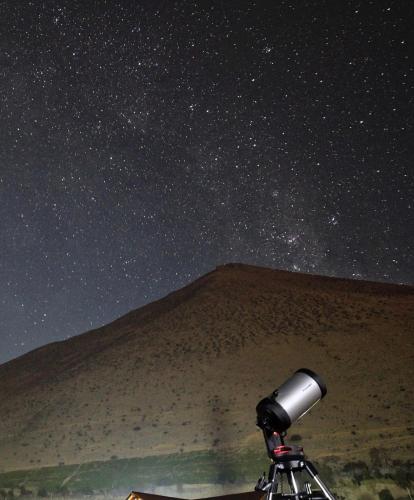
x=289 y=462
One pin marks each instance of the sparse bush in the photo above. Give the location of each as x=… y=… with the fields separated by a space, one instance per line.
x=385 y=495
x=24 y=492
x=402 y=477
x=359 y=470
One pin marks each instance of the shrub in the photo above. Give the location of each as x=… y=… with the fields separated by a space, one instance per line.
x=24 y=492
x=402 y=477
x=385 y=495
x=359 y=470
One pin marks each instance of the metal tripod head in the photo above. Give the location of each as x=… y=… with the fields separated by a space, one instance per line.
x=289 y=461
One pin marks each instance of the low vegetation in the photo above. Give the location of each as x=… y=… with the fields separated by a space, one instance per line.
x=211 y=467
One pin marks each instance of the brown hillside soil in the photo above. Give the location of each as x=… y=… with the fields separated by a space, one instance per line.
x=186 y=372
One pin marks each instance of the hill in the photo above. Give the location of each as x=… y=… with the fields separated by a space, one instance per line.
x=185 y=373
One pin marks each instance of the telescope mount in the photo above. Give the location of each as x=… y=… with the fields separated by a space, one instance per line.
x=289 y=462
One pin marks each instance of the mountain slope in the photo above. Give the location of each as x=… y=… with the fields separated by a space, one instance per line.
x=185 y=373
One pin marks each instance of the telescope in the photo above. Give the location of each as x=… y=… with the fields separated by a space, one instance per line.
x=290 y=401
x=275 y=414
x=291 y=476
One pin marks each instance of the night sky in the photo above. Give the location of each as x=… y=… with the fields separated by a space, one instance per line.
x=144 y=143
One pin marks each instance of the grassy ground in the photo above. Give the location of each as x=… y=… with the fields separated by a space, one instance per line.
x=118 y=477
x=140 y=473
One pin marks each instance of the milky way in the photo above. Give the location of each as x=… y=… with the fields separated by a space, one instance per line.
x=144 y=143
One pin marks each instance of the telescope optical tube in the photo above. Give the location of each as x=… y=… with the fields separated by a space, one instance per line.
x=290 y=401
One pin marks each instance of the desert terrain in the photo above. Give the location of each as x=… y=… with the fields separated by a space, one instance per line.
x=183 y=375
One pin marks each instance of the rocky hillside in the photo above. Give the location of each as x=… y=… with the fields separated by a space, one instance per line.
x=185 y=373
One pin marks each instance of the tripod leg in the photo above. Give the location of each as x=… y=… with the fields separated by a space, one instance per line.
x=273 y=482
x=292 y=482
x=310 y=468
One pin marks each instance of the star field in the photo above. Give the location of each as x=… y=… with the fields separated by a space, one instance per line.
x=144 y=143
